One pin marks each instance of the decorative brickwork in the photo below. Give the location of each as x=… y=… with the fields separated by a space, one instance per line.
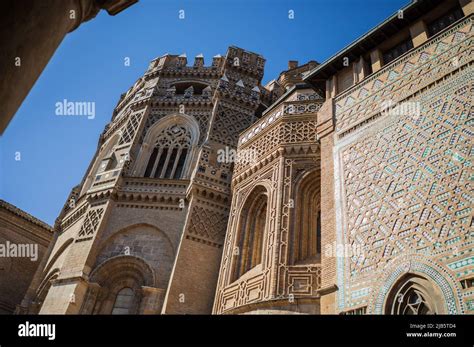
x=165 y=223
x=406 y=185
x=405 y=76
x=91 y=223
x=208 y=224
x=129 y=130
x=284 y=148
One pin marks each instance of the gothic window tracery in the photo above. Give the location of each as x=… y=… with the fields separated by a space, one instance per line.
x=168 y=157
x=413 y=295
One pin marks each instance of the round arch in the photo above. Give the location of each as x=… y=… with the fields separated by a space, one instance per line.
x=122 y=266
x=118 y=273
x=133 y=226
x=143 y=240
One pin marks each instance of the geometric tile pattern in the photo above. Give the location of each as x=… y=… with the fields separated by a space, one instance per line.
x=416 y=70
x=303 y=279
x=408 y=186
x=450 y=295
x=462 y=263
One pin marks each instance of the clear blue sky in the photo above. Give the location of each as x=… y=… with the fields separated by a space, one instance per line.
x=89 y=66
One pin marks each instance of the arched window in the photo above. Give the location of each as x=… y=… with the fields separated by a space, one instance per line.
x=413 y=295
x=305 y=245
x=105 y=160
x=168 y=158
x=249 y=246
x=107 y=163
x=181 y=87
x=123 y=301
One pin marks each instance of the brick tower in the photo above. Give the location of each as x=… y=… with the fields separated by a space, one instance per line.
x=143 y=231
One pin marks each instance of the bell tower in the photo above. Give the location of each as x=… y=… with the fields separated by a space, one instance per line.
x=143 y=231
x=235 y=102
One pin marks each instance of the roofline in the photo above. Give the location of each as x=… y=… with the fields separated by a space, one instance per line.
x=25 y=215
x=310 y=74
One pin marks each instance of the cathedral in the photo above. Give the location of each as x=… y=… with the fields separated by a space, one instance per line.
x=337 y=188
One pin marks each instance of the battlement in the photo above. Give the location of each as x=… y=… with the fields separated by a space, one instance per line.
x=236 y=59
x=179 y=63
x=171 y=78
x=245 y=61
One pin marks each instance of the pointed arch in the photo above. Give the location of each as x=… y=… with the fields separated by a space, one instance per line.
x=305 y=232
x=105 y=160
x=251 y=231
x=413 y=294
x=61 y=250
x=401 y=270
x=43 y=290
x=168 y=148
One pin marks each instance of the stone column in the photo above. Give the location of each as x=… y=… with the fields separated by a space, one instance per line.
x=193 y=281
x=194 y=277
